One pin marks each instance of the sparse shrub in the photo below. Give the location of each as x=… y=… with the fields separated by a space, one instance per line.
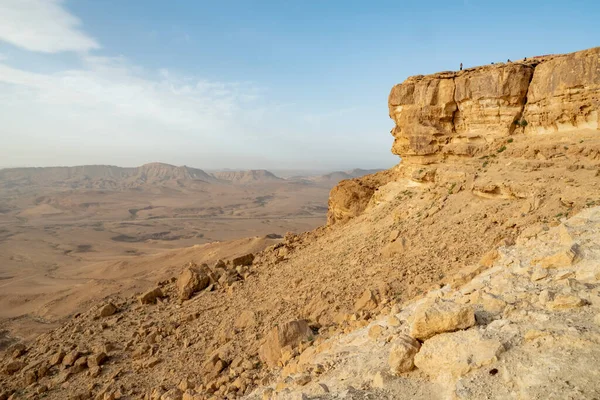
x=451 y=189
x=521 y=122
x=510 y=140
x=501 y=149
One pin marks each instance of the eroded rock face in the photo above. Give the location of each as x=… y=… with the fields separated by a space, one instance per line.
x=352 y=196
x=461 y=113
x=456 y=113
x=565 y=93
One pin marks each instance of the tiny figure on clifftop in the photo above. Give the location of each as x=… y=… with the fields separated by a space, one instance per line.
x=508 y=60
x=461 y=66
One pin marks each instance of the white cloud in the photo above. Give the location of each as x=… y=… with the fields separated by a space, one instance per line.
x=43 y=26
x=112 y=106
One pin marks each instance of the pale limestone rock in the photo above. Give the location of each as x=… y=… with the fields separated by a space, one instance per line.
x=402 y=354
x=538 y=274
x=563 y=302
x=288 y=334
x=439 y=316
x=367 y=301
x=563 y=258
x=375 y=331
x=488 y=258
x=457 y=353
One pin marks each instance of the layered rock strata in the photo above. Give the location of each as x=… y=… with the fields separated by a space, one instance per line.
x=461 y=113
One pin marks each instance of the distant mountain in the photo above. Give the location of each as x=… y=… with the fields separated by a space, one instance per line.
x=105 y=176
x=337 y=176
x=245 y=177
x=109 y=177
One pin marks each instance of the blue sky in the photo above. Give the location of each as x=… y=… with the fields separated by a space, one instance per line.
x=243 y=84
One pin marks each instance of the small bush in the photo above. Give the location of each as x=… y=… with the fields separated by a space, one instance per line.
x=510 y=140
x=501 y=149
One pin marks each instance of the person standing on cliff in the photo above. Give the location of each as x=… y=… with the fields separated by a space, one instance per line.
x=461 y=66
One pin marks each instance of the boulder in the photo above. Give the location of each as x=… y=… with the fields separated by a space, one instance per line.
x=17 y=350
x=13 y=367
x=290 y=333
x=191 y=280
x=107 y=310
x=150 y=296
x=57 y=358
x=563 y=258
x=367 y=301
x=457 y=353
x=402 y=354
x=563 y=302
x=243 y=260
x=96 y=359
x=439 y=316
x=70 y=358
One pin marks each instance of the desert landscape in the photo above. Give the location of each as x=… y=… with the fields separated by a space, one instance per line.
x=470 y=270
x=64 y=230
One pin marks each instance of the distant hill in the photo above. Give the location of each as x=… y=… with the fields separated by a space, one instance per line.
x=249 y=176
x=337 y=176
x=104 y=176
x=110 y=177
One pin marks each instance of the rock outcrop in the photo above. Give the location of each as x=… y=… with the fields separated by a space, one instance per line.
x=451 y=117
x=461 y=113
x=564 y=93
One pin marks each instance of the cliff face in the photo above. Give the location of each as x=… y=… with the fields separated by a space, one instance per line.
x=449 y=120
x=461 y=113
x=564 y=93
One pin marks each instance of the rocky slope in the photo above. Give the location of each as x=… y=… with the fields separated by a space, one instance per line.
x=527 y=327
x=405 y=274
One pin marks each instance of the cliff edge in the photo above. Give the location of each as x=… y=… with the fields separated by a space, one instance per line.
x=452 y=118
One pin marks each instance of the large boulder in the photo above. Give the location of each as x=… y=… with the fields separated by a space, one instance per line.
x=150 y=296
x=350 y=197
x=402 y=354
x=191 y=280
x=457 y=353
x=244 y=260
x=435 y=317
x=290 y=333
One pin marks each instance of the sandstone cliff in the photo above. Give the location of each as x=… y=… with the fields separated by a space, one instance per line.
x=462 y=113
x=452 y=117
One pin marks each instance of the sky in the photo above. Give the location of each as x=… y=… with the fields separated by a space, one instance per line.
x=244 y=84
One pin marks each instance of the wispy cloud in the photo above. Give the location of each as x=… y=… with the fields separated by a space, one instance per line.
x=42 y=26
